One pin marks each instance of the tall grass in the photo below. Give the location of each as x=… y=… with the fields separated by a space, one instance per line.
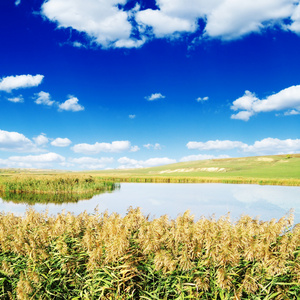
x=186 y=179
x=103 y=256
x=53 y=184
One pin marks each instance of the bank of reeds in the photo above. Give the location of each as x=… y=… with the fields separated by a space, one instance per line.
x=53 y=184
x=179 y=179
x=103 y=256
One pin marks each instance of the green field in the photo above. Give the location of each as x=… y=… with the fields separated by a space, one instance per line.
x=275 y=169
x=272 y=170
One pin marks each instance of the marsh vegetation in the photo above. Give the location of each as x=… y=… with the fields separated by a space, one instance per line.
x=101 y=256
x=62 y=187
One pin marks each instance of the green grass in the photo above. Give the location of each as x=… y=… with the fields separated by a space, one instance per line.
x=274 y=170
x=51 y=188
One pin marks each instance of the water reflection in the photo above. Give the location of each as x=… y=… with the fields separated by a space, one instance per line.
x=156 y=199
x=32 y=199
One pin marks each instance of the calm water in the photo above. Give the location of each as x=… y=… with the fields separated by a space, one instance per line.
x=264 y=202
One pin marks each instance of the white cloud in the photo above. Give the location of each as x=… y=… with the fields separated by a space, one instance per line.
x=61 y=142
x=41 y=140
x=116 y=146
x=292 y=112
x=232 y=19
x=107 y=23
x=92 y=163
x=14 y=141
x=199 y=99
x=44 y=99
x=265 y=146
x=134 y=149
x=71 y=105
x=249 y=104
x=202 y=157
x=17 y=2
x=215 y=145
x=295 y=18
x=155 y=97
x=243 y=115
x=129 y=43
x=274 y=145
x=42 y=158
x=18 y=99
x=33 y=161
x=128 y=163
x=163 y=24
x=132 y=116
x=156 y=146
x=101 y=20
x=10 y=83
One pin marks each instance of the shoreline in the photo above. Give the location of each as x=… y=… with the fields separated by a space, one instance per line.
x=258 y=181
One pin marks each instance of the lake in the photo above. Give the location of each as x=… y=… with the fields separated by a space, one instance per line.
x=156 y=199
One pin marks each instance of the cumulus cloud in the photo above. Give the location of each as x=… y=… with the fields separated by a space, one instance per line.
x=33 y=161
x=203 y=99
x=116 y=146
x=249 y=104
x=274 y=145
x=156 y=146
x=232 y=19
x=92 y=163
x=134 y=149
x=215 y=145
x=10 y=83
x=155 y=96
x=43 y=98
x=18 y=99
x=41 y=140
x=102 y=21
x=295 y=20
x=202 y=157
x=107 y=23
x=292 y=112
x=163 y=24
x=71 y=105
x=132 y=116
x=129 y=163
x=265 y=146
x=17 y=142
x=61 y=142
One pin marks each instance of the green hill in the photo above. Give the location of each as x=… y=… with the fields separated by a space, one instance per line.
x=273 y=169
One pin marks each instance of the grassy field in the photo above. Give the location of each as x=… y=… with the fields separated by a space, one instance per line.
x=273 y=170
x=103 y=256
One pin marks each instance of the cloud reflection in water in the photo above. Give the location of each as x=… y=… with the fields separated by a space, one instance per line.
x=265 y=202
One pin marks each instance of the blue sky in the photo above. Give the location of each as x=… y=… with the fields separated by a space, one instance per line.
x=97 y=84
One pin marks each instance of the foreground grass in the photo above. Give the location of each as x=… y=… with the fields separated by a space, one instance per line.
x=103 y=256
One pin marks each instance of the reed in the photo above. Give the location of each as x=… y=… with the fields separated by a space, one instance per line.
x=186 y=179
x=102 y=256
x=53 y=184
